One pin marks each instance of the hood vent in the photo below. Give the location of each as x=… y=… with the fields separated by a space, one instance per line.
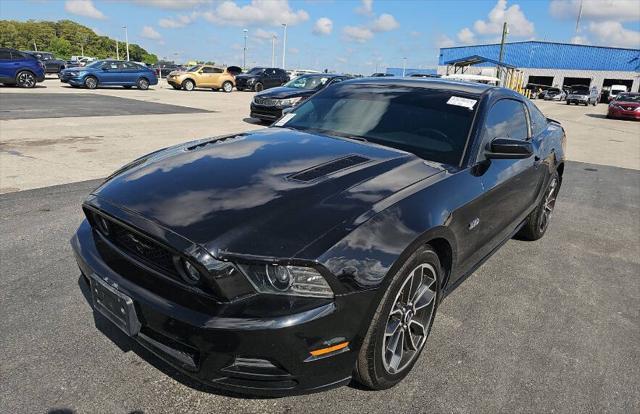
x=330 y=167
x=207 y=141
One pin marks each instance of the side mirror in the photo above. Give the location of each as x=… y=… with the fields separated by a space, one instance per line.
x=105 y=68
x=509 y=148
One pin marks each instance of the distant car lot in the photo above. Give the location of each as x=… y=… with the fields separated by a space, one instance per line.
x=559 y=333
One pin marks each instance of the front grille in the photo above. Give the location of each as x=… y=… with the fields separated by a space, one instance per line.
x=264 y=101
x=141 y=248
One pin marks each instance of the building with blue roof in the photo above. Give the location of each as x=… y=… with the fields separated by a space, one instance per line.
x=552 y=64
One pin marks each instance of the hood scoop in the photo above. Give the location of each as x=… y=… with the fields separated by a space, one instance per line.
x=207 y=141
x=321 y=170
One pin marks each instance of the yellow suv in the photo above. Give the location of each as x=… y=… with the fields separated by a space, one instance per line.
x=204 y=76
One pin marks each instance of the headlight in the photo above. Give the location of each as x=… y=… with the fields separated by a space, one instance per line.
x=285 y=103
x=287 y=280
x=189 y=272
x=73 y=73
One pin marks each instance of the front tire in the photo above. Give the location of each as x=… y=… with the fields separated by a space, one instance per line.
x=188 y=85
x=402 y=322
x=91 y=82
x=258 y=87
x=538 y=221
x=26 y=79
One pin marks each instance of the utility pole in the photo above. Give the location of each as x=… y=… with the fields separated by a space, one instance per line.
x=505 y=32
x=244 y=53
x=284 y=44
x=117 y=50
x=273 y=51
x=578 y=19
x=404 y=65
x=35 y=47
x=126 y=38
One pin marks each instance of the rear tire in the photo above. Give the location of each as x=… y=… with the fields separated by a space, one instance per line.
x=142 y=84
x=538 y=221
x=26 y=79
x=401 y=323
x=91 y=82
x=227 y=86
x=188 y=85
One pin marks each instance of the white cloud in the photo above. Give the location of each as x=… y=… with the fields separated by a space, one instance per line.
x=466 y=36
x=273 y=12
x=177 y=22
x=323 y=26
x=366 y=8
x=612 y=33
x=445 y=41
x=149 y=32
x=519 y=25
x=415 y=33
x=384 y=23
x=358 y=34
x=621 y=10
x=263 y=34
x=84 y=8
x=172 y=4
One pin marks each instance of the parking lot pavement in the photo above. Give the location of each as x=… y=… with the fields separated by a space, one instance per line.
x=546 y=326
x=63 y=105
x=49 y=151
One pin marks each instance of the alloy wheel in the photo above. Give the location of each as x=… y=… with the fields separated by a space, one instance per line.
x=26 y=80
x=548 y=204
x=409 y=320
x=91 y=83
x=227 y=87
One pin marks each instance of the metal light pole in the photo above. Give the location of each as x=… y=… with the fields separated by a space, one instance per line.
x=117 y=50
x=126 y=38
x=273 y=51
x=244 y=53
x=284 y=44
x=505 y=31
x=404 y=65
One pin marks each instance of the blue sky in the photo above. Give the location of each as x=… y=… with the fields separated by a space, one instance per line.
x=341 y=35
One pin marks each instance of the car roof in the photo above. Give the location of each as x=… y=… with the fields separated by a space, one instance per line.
x=428 y=83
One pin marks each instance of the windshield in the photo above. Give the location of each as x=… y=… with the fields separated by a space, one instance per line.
x=429 y=123
x=580 y=91
x=95 y=64
x=307 y=82
x=628 y=97
x=256 y=71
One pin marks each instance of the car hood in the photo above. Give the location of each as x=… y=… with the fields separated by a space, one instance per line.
x=283 y=92
x=627 y=103
x=245 y=193
x=246 y=76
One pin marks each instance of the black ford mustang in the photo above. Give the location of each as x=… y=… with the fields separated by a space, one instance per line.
x=297 y=257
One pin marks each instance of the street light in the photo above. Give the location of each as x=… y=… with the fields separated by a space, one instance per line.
x=273 y=51
x=126 y=38
x=284 y=44
x=244 y=54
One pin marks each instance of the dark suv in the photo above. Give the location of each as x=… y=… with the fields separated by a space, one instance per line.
x=19 y=68
x=51 y=64
x=258 y=79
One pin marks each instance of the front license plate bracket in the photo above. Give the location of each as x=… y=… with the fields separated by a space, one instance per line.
x=114 y=305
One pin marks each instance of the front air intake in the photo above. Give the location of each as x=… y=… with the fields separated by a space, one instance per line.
x=319 y=171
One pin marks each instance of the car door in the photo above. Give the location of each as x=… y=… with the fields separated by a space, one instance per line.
x=7 y=67
x=270 y=78
x=110 y=73
x=510 y=185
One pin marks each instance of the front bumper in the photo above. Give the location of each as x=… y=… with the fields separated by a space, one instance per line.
x=244 y=84
x=623 y=114
x=71 y=80
x=226 y=345
x=578 y=100
x=265 y=113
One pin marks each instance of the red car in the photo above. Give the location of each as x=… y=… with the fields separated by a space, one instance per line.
x=625 y=106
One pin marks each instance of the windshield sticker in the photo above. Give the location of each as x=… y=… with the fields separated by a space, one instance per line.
x=284 y=120
x=463 y=102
